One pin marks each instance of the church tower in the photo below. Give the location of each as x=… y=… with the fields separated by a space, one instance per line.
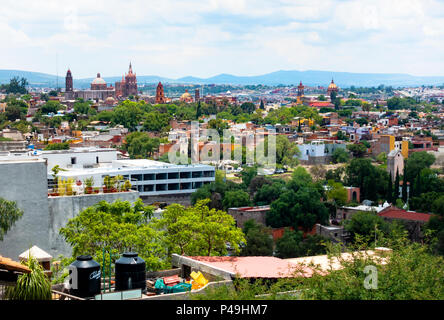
x=68 y=82
x=160 y=97
x=130 y=83
x=300 y=92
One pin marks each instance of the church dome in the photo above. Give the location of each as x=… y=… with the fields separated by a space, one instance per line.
x=98 y=80
x=186 y=95
x=332 y=85
x=110 y=100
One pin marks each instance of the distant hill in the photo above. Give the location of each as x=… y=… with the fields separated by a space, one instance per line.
x=310 y=78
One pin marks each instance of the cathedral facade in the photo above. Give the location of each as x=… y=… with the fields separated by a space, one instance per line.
x=99 y=90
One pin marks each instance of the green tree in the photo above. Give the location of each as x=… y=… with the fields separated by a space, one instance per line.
x=390 y=190
x=82 y=108
x=259 y=240
x=51 y=106
x=236 y=199
x=207 y=231
x=247 y=174
x=129 y=114
x=336 y=192
x=9 y=214
x=340 y=155
x=269 y=193
x=286 y=152
x=416 y=162
x=198 y=110
x=218 y=125
x=358 y=149
x=371 y=180
x=396 y=191
x=365 y=224
x=302 y=208
x=404 y=190
x=16 y=85
x=382 y=158
x=116 y=227
x=262 y=106
x=140 y=145
x=287 y=245
x=57 y=146
x=248 y=107
x=156 y=121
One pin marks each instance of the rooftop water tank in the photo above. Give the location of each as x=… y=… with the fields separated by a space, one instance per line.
x=84 y=277
x=130 y=272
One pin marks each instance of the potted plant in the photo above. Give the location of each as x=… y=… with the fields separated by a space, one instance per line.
x=107 y=181
x=55 y=171
x=126 y=185
x=61 y=186
x=69 y=185
x=30 y=286
x=88 y=185
x=117 y=180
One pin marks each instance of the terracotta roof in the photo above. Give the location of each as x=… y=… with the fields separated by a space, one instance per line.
x=396 y=213
x=10 y=265
x=257 y=267
x=321 y=104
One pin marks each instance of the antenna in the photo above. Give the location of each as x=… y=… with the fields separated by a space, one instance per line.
x=57 y=73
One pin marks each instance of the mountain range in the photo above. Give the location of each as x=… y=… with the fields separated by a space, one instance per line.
x=290 y=77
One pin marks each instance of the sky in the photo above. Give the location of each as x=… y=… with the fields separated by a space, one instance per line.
x=203 y=38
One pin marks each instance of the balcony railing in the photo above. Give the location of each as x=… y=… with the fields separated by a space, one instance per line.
x=74 y=186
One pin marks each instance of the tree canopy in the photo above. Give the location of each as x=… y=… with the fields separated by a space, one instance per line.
x=9 y=214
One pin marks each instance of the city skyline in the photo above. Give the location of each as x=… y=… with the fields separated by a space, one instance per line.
x=177 y=39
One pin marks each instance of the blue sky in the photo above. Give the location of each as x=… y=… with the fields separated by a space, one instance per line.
x=205 y=38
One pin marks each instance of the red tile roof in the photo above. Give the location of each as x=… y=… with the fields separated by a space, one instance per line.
x=10 y=265
x=257 y=267
x=320 y=104
x=396 y=213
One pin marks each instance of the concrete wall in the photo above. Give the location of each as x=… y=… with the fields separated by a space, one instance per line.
x=61 y=209
x=183 y=199
x=26 y=183
x=242 y=216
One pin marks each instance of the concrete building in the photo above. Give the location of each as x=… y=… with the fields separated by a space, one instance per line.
x=395 y=163
x=412 y=221
x=25 y=181
x=78 y=158
x=344 y=213
x=150 y=178
x=243 y=214
x=318 y=151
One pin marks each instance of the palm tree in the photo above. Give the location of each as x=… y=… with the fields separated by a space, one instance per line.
x=31 y=286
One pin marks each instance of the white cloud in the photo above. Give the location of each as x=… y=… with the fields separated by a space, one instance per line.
x=191 y=37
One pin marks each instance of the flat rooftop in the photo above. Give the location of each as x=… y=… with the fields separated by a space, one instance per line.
x=134 y=165
x=256 y=267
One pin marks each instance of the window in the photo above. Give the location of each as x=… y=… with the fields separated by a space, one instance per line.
x=97 y=159
x=73 y=160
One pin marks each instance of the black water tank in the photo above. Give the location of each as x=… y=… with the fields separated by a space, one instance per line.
x=130 y=272
x=84 y=277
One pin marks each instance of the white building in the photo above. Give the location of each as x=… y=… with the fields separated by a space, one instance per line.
x=149 y=177
x=78 y=158
x=318 y=151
